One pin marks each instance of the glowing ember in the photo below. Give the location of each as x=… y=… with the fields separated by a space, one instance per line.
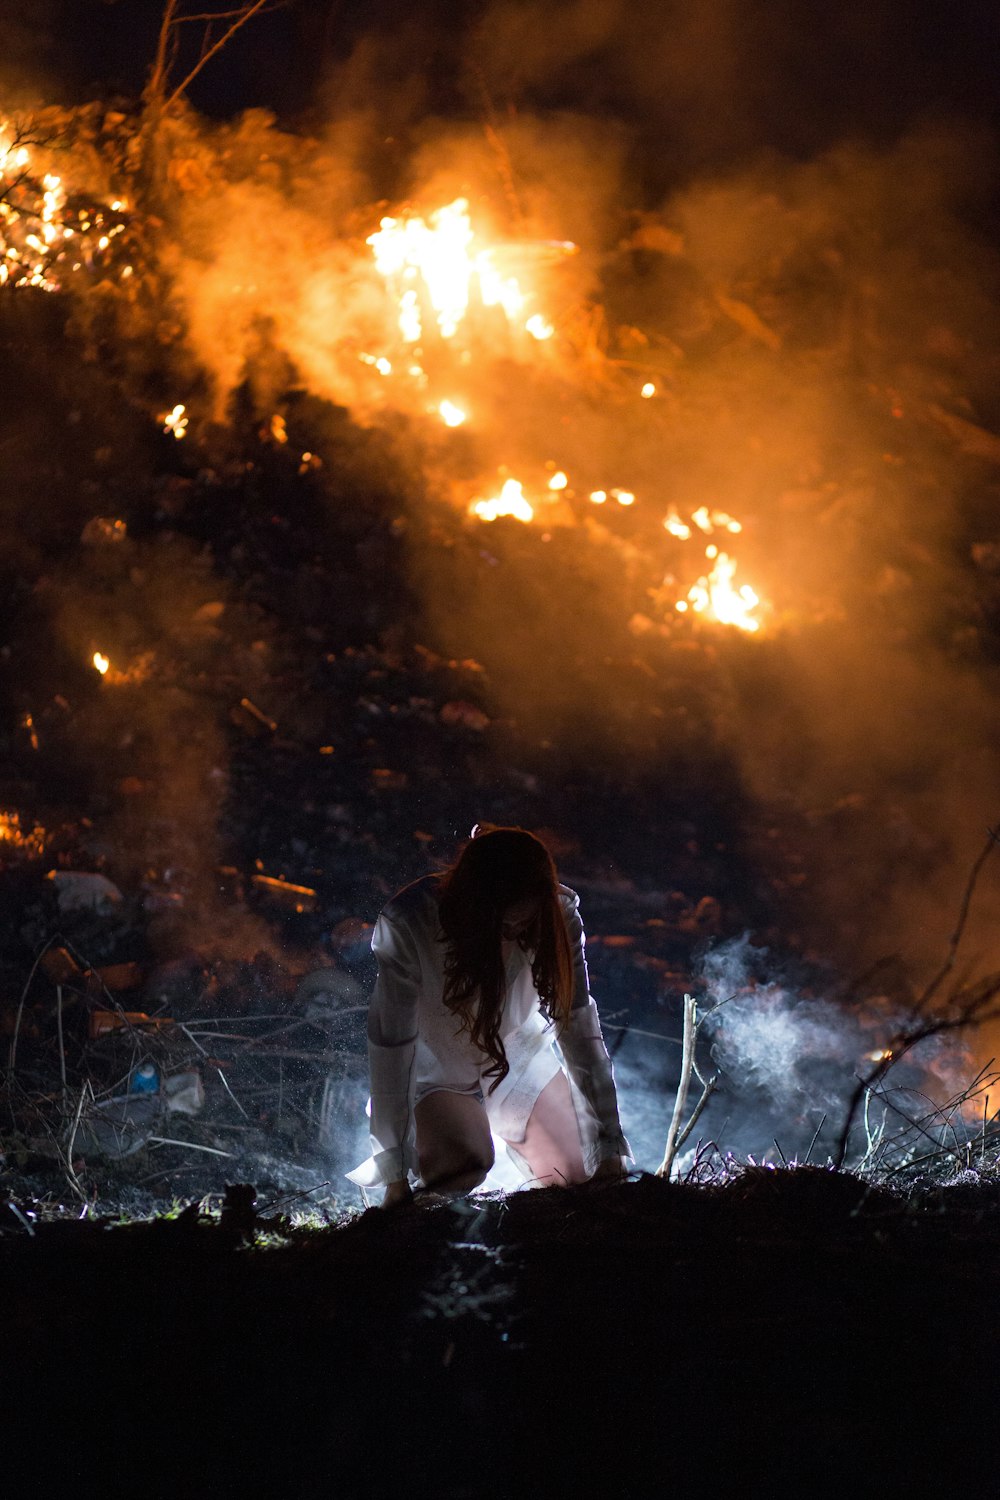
x=715 y=595
x=29 y=841
x=451 y=415
x=710 y=520
x=510 y=502
x=559 y=481
x=175 y=421
x=598 y=496
x=624 y=497
x=101 y=662
x=649 y=389
x=35 y=227
x=539 y=328
x=676 y=526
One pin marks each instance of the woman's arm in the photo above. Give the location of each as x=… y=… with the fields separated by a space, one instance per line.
x=587 y=1062
x=392 y=1036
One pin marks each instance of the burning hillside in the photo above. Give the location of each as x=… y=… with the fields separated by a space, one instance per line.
x=357 y=517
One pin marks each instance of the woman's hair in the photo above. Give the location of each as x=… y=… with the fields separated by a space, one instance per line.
x=497 y=869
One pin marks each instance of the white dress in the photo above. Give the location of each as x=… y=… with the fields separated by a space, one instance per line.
x=416 y=1045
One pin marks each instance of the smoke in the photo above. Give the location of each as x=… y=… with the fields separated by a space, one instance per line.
x=787 y=1062
x=815 y=323
x=777 y=226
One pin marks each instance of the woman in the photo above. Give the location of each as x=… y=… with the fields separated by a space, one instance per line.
x=481 y=971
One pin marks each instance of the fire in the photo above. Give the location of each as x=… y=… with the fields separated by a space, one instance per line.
x=510 y=502
x=710 y=520
x=436 y=264
x=715 y=595
x=42 y=234
x=175 y=421
x=138 y=670
x=29 y=841
x=451 y=415
x=438 y=270
x=539 y=328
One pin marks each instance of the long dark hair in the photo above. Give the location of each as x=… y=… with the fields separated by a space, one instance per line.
x=497 y=869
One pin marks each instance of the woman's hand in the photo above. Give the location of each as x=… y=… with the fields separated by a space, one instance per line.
x=397 y=1194
x=611 y=1169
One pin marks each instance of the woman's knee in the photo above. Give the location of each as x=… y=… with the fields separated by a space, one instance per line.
x=453 y=1140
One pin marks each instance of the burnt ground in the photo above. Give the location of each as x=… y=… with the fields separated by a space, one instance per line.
x=790 y=1332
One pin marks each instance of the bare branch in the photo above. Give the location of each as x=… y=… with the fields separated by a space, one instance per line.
x=972 y=1011
x=963 y=917
x=247 y=14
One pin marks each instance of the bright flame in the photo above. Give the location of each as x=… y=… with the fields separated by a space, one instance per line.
x=510 y=502
x=539 y=328
x=624 y=497
x=101 y=662
x=559 y=481
x=598 y=496
x=435 y=261
x=715 y=595
x=451 y=415
x=676 y=526
x=649 y=389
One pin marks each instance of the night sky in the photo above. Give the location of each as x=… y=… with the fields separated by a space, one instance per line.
x=696 y=84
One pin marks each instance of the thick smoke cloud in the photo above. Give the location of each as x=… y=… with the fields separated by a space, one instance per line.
x=810 y=297
x=778 y=222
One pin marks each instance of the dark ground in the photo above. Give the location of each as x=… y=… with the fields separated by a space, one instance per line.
x=792 y=1332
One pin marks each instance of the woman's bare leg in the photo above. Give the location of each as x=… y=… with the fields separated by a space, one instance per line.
x=454 y=1144
x=551 y=1144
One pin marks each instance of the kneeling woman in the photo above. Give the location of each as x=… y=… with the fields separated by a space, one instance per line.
x=481 y=972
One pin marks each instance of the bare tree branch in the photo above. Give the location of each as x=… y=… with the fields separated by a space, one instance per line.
x=246 y=15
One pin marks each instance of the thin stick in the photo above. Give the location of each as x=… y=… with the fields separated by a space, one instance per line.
x=707 y=1091
x=963 y=917
x=62 y=1049
x=71 y=1142
x=655 y=1036
x=815 y=1138
x=12 y=1055
x=683 y=1084
x=165 y=1140
x=23 y=1217
x=225 y=1085
x=251 y=10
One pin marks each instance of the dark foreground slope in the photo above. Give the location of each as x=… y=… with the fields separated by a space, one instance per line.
x=788 y=1332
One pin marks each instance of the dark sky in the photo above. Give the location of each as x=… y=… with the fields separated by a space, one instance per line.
x=696 y=85
x=807 y=68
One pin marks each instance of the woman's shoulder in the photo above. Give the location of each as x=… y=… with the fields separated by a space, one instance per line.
x=415 y=903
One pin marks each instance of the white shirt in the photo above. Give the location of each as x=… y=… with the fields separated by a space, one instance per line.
x=416 y=1045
